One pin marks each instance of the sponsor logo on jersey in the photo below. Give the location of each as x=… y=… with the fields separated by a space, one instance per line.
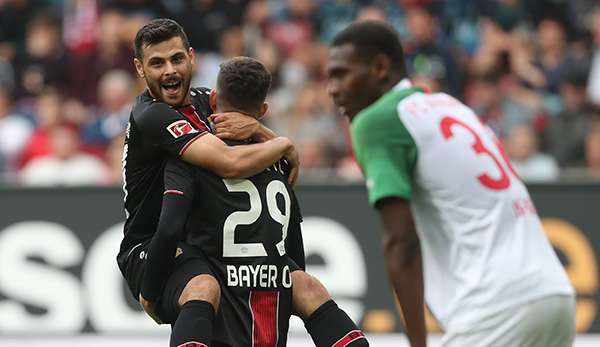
x=180 y=128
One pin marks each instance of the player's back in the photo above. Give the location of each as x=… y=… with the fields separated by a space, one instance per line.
x=241 y=225
x=483 y=244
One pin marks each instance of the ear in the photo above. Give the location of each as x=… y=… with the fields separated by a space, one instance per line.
x=139 y=67
x=192 y=55
x=263 y=110
x=212 y=99
x=382 y=66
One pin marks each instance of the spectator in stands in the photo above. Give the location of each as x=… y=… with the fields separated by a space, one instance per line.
x=553 y=57
x=565 y=133
x=15 y=132
x=111 y=117
x=430 y=62
x=48 y=115
x=594 y=77
x=231 y=44
x=44 y=62
x=114 y=160
x=66 y=164
x=531 y=165
x=112 y=52
x=592 y=150
x=492 y=98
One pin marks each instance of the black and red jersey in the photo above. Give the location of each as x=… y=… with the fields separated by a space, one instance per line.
x=155 y=133
x=242 y=226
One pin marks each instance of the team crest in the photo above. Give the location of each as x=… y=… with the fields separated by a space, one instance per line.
x=180 y=128
x=178 y=252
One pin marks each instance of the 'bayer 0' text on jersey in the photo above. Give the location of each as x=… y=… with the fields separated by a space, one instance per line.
x=242 y=227
x=483 y=245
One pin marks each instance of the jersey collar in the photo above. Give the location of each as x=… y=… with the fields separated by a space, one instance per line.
x=405 y=83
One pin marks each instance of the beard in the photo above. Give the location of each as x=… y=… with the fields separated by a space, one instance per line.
x=173 y=96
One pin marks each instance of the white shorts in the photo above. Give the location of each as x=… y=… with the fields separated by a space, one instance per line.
x=546 y=322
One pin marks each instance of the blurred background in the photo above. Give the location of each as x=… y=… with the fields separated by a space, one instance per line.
x=530 y=68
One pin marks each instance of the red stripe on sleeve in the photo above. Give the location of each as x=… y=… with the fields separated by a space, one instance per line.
x=192 y=344
x=349 y=338
x=173 y=191
x=190 y=142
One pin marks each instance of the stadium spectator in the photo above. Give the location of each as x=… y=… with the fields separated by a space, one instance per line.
x=66 y=164
x=592 y=150
x=114 y=160
x=15 y=131
x=430 y=61
x=531 y=165
x=48 y=115
x=112 y=52
x=553 y=58
x=565 y=133
x=43 y=63
x=594 y=78
x=111 y=117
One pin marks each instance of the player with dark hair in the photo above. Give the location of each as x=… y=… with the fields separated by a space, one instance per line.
x=170 y=120
x=460 y=228
x=245 y=228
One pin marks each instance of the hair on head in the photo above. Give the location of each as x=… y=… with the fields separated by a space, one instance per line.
x=243 y=83
x=156 y=31
x=370 y=38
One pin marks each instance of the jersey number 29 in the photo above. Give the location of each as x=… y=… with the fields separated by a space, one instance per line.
x=232 y=249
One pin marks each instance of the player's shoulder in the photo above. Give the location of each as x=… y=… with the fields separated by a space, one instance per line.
x=200 y=99
x=147 y=108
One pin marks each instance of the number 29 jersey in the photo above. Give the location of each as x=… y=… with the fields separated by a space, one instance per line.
x=241 y=225
x=483 y=245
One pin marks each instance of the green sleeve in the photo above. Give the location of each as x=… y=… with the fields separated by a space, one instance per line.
x=386 y=152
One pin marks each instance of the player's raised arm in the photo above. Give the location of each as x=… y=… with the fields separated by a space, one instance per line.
x=211 y=153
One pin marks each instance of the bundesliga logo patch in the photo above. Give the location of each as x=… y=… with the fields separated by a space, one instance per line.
x=180 y=128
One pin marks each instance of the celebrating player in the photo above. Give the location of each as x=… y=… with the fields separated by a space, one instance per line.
x=242 y=226
x=170 y=120
x=460 y=227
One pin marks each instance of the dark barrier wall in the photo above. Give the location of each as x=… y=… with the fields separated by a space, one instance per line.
x=58 y=274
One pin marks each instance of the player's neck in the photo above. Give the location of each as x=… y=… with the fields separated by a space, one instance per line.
x=391 y=83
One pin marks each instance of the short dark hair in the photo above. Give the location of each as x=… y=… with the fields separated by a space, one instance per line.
x=370 y=38
x=243 y=83
x=156 y=31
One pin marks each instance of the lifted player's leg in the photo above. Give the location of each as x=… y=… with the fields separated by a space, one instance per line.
x=198 y=301
x=327 y=324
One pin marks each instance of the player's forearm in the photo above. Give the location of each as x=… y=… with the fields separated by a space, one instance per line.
x=161 y=253
x=404 y=264
x=248 y=160
x=263 y=134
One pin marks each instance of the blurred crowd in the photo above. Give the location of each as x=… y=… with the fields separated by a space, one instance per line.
x=529 y=68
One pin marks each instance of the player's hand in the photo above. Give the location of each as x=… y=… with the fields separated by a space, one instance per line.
x=293 y=161
x=149 y=309
x=233 y=125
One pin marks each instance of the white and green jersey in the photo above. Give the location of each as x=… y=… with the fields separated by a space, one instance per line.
x=484 y=249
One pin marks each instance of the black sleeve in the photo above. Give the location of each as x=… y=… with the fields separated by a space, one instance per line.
x=165 y=129
x=176 y=204
x=295 y=244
